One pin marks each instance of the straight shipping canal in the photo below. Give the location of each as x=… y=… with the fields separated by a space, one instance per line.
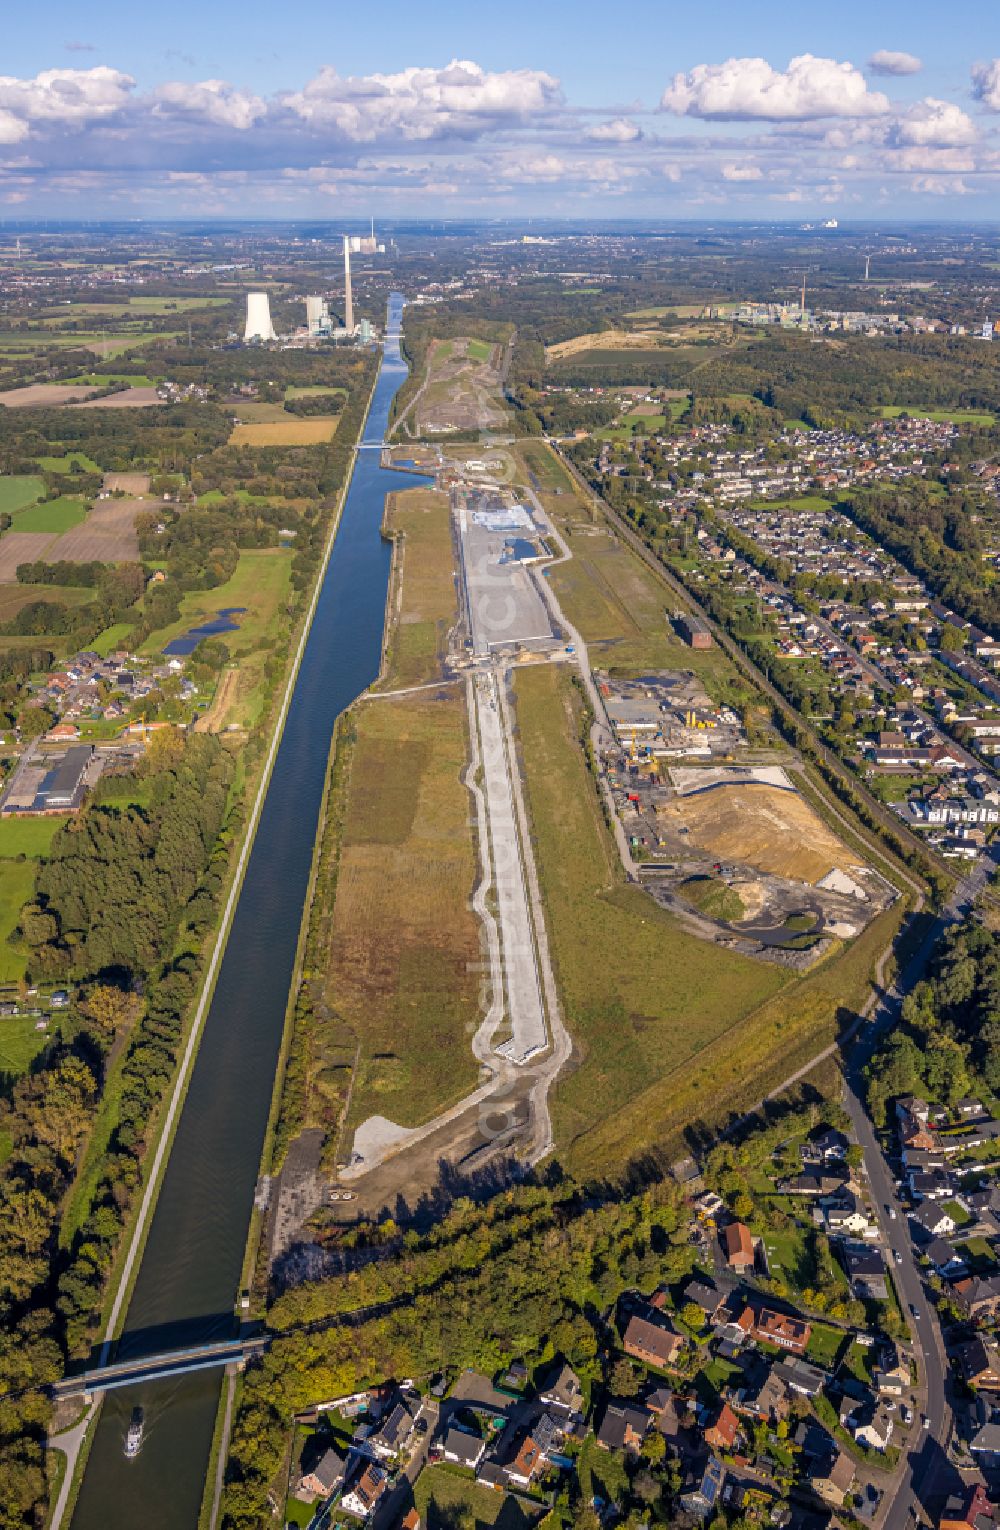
x=188 y=1280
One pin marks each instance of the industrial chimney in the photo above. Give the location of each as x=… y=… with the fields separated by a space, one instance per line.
x=348 y=299
x=259 y=326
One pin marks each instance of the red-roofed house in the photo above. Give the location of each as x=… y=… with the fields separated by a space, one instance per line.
x=722 y=1431
x=737 y=1245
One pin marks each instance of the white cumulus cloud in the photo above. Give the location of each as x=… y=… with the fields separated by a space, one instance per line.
x=620 y=130
x=420 y=103
x=986 y=84
x=212 y=100
x=886 y=61
x=66 y=95
x=749 y=88
x=742 y=173
x=934 y=123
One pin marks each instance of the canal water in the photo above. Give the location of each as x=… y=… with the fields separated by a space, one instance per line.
x=187 y=1285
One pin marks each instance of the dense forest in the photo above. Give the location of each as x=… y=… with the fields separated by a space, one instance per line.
x=949 y=1042
x=935 y=537
x=122 y=907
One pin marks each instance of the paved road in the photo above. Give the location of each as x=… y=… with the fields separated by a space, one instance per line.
x=924 y=1463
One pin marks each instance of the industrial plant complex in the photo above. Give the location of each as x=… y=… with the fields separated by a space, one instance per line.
x=320 y=322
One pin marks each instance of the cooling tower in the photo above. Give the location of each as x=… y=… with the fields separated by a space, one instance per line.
x=259 y=326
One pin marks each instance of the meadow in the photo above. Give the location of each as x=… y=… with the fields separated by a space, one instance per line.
x=404 y=948
x=260 y=584
x=289 y=431
x=944 y=416
x=19 y=490
x=20 y=1044
x=424 y=584
x=55 y=515
x=68 y=462
x=17 y=883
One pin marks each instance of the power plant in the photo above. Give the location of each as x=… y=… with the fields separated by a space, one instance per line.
x=259 y=326
x=317 y=316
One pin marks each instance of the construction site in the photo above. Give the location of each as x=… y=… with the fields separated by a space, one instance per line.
x=726 y=839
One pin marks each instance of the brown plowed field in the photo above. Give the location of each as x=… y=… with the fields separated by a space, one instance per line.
x=106 y=536
x=133 y=398
x=127 y=483
x=37 y=395
x=20 y=547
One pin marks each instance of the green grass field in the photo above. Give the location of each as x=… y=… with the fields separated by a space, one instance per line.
x=429 y=606
x=946 y=416
x=544 y=466
x=55 y=515
x=480 y=350
x=404 y=946
x=30 y=837
x=111 y=638
x=105 y=379
x=20 y=1044
x=16 y=343
x=445 y=1498
x=65 y=464
x=315 y=392
x=19 y=490
x=633 y=425
x=619 y=606
x=17 y=883
x=260 y=583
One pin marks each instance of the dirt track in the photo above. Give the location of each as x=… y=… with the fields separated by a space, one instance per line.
x=213 y=719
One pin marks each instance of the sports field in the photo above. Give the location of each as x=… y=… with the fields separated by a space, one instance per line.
x=424 y=603
x=287 y=432
x=404 y=950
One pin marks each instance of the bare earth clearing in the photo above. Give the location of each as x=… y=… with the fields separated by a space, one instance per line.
x=773 y=829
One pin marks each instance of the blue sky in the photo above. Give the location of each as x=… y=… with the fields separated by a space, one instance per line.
x=860 y=111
